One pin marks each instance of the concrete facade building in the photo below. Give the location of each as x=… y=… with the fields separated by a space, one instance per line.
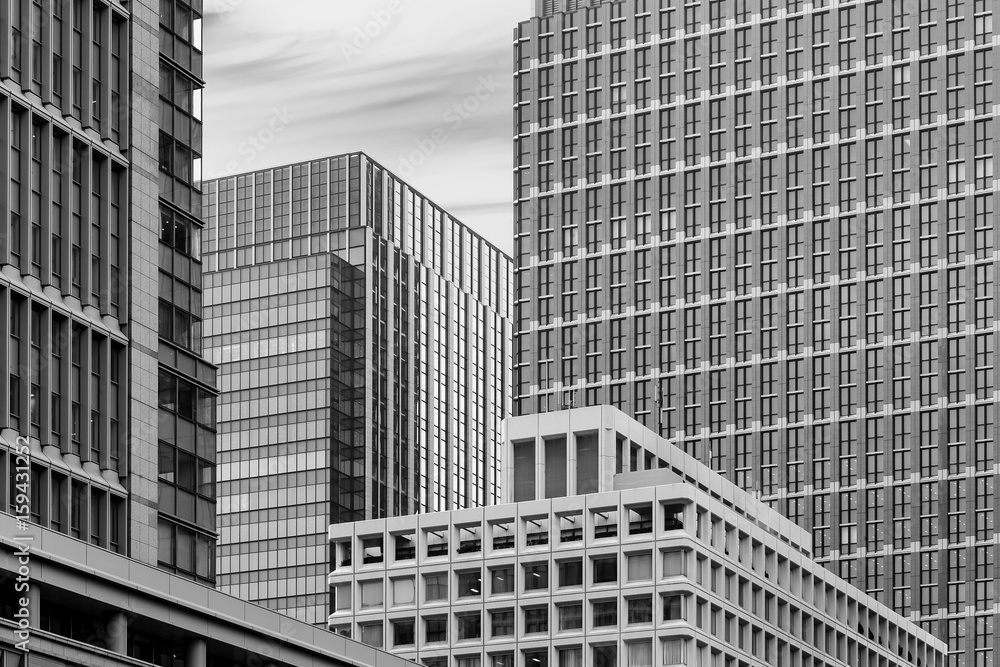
x=664 y=563
x=765 y=229
x=363 y=337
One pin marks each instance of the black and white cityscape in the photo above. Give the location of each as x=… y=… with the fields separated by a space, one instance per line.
x=534 y=333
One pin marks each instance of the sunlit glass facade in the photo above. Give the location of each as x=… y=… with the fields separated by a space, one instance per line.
x=363 y=339
x=766 y=229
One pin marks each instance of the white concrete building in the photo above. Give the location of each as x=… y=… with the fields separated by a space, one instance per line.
x=663 y=562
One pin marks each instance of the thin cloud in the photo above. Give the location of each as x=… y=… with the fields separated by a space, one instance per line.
x=385 y=96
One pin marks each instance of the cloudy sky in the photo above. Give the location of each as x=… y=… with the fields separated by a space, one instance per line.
x=423 y=86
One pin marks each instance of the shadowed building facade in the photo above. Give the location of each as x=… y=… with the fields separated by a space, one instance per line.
x=766 y=230
x=363 y=337
x=100 y=284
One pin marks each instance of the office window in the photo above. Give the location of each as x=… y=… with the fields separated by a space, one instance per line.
x=605 y=613
x=606 y=522
x=437 y=543
x=536 y=620
x=371 y=634
x=405 y=547
x=674 y=652
x=571 y=657
x=502 y=623
x=571 y=616
x=524 y=470
x=571 y=573
x=640 y=519
x=502 y=580
x=470 y=584
x=606 y=656
x=674 y=563
x=503 y=536
x=403 y=633
x=470 y=626
x=436 y=628
x=536 y=658
x=640 y=653
x=571 y=528
x=640 y=610
x=371 y=594
x=640 y=567
x=605 y=570
x=673 y=608
x=436 y=587
x=536 y=577
x=673 y=517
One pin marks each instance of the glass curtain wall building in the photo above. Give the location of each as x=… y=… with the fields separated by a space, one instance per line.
x=80 y=261
x=766 y=230
x=363 y=337
x=187 y=394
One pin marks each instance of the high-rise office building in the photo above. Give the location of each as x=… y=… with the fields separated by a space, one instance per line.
x=83 y=87
x=766 y=229
x=363 y=340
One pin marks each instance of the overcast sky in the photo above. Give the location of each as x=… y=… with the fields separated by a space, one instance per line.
x=423 y=86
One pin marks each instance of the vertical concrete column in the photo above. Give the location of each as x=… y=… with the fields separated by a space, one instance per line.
x=35 y=605
x=197 y=653
x=118 y=632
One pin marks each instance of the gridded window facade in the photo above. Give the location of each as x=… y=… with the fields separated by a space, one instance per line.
x=356 y=319
x=78 y=298
x=710 y=582
x=187 y=537
x=787 y=213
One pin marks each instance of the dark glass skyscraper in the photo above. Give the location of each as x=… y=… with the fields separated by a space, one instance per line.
x=767 y=230
x=363 y=337
x=187 y=394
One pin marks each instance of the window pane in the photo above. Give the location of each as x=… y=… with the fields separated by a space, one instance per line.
x=640 y=567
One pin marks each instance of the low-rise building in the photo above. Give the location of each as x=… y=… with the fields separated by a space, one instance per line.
x=67 y=603
x=661 y=562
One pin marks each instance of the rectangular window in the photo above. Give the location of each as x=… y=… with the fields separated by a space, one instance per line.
x=502 y=623
x=571 y=616
x=436 y=587
x=571 y=573
x=605 y=613
x=536 y=577
x=502 y=580
x=605 y=570
x=524 y=471
x=640 y=610
x=640 y=567
x=536 y=620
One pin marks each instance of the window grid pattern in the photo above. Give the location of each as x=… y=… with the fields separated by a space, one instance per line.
x=398 y=318
x=766 y=230
x=768 y=602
